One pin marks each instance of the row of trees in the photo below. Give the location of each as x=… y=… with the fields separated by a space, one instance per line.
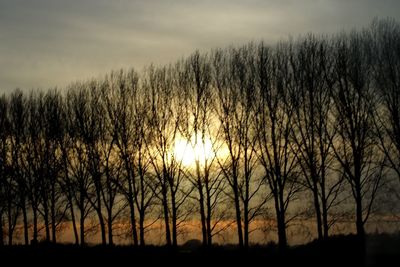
x=313 y=120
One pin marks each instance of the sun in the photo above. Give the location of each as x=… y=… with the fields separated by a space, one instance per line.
x=196 y=149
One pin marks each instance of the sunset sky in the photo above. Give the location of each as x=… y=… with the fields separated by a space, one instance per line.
x=48 y=43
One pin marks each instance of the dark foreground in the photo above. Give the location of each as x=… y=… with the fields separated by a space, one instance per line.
x=380 y=250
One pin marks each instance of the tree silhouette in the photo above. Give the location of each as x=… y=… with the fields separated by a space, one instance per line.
x=386 y=42
x=17 y=126
x=164 y=120
x=311 y=65
x=77 y=176
x=307 y=122
x=354 y=103
x=274 y=128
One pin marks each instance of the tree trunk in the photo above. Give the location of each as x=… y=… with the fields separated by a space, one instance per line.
x=102 y=227
x=73 y=222
x=174 y=222
x=141 y=229
x=359 y=217
x=246 y=223
x=324 y=211
x=46 y=222
x=82 y=227
x=10 y=226
x=317 y=210
x=25 y=219
x=132 y=215
x=110 y=230
x=35 y=226
x=280 y=217
x=98 y=209
x=209 y=230
x=358 y=198
x=202 y=213
x=238 y=217
x=1 y=230
x=166 y=217
x=53 y=215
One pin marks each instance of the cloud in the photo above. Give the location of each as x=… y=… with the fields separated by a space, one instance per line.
x=47 y=43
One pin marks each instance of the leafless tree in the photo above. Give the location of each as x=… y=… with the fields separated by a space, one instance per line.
x=274 y=128
x=120 y=126
x=127 y=108
x=386 y=73
x=76 y=162
x=199 y=133
x=33 y=159
x=18 y=113
x=121 y=100
x=53 y=200
x=93 y=130
x=354 y=103
x=9 y=205
x=8 y=189
x=310 y=63
x=234 y=74
x=164 y=120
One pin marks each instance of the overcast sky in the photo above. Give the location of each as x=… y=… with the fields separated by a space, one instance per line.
x=48 y=43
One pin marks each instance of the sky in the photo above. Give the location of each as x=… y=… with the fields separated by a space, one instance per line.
x=52 y=43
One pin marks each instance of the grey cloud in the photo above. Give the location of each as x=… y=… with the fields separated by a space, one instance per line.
x=44 y=43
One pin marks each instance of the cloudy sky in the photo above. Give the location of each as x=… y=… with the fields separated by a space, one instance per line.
x=48 y=43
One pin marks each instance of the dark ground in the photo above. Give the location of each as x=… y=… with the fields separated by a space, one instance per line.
x=380 y=250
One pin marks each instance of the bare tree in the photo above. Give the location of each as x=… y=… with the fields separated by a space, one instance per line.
x=355 y=145
x=118 y=93
x=33 y=160
x=145 y=197
x=5 y=185
x=66 y=144
x=274 y=128
x=234 y=81
x=120 y=126
x=164 y=119
x=54 y=204
x=18 y=119
x=386 y=73
x=312 y=133
x=93 y=129
x=200 y=139
x=127 y=110
x=76 y=162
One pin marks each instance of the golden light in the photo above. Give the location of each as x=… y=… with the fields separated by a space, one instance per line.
x=197 y=149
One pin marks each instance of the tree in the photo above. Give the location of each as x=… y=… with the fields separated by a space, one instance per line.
x=355 y=147
x=126 y=109
x=33 y=159
x=76 y=162
x=8 y=209
x=197 y=129
x=53 y=200
x=93 y=131
x=274 y=122
x=235 y=109
x=118 y=107
x=164 y=119
x=125 y=126
x=18 y=114
x=386 y=73
x=312 y=134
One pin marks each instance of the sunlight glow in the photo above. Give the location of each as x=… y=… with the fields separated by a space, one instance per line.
x=197 y=149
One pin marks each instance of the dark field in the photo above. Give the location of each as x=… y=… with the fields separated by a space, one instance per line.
x=380 y=250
